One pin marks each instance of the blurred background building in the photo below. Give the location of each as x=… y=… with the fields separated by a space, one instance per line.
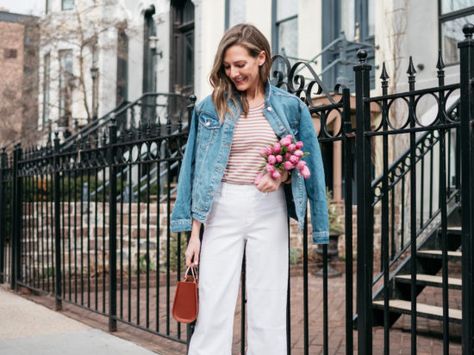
x=19 y=45
x=95 y=55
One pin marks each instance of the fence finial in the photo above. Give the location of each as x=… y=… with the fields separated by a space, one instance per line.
x=362 y=55
x=384 y=76
x=440 y=65
x=468 y=30
x=411 y=68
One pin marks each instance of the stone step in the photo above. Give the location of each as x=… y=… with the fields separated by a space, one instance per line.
x=422 y=310
x=437 y=254
x=430 y=280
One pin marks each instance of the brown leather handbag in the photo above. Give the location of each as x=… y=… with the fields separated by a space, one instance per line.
x=185 y=305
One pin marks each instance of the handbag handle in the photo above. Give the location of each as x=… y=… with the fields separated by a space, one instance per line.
x=193 y=273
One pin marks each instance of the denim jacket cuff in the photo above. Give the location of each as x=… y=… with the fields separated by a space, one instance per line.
x=181 y=225
x=321 y=237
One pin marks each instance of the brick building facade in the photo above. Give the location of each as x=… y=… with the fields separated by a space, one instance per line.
x=19 y=44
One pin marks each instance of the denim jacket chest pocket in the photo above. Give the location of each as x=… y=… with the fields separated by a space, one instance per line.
x=208 y=127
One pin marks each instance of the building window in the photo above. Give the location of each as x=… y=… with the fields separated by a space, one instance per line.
x=234 y=12
x=67 y=4
x=94 y=70
x=453 y=15
x=46 y=87
x=370 y=18
x=10 y=53
x=65 y=87
x=285 y=28
x=149 y=51
x=355 y=18
x=182 y=49
x=122 y=67
x=47 y=8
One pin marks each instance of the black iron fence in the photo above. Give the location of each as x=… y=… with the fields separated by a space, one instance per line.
x=6 y=182
x=88 y=221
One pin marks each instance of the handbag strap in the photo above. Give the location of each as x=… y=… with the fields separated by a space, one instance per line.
x=193 y=272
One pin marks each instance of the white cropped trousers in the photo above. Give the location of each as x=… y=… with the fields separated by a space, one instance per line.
x=243 y=217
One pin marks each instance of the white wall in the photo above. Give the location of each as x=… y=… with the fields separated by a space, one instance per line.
x=418 y=38
x=258 y=13
x=209 y=28
x=310 y=34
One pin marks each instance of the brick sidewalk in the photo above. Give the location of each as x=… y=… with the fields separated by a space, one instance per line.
x=429 y=331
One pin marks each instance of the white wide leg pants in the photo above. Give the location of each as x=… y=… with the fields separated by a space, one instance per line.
x=243 y=217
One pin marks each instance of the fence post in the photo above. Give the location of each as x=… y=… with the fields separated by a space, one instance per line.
x=348 y=159
x=467 y=192
x=3 y=210
x=16 y=214
x=365 y=226
x=112 y=227
x=57 y=225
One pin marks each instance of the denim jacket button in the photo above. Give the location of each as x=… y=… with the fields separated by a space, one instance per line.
x=269 y=108
x=208 y=123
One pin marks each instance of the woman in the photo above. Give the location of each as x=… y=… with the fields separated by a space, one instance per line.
x=217 y=186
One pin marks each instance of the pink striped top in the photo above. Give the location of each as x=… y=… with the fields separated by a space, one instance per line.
x=251 y=134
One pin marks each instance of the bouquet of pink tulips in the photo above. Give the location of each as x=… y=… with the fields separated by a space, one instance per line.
x=286 y=155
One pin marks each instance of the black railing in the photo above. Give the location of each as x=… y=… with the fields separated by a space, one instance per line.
x=88 y=222
x=426 y=147
x=6 y=188
x=424 y=232
x=335 y=130
x=79 y=242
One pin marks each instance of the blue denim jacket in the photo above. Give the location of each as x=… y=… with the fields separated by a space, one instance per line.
x=207 y=153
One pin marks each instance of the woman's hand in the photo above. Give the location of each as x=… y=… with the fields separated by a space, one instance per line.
x=194 y=246
x=266 y=183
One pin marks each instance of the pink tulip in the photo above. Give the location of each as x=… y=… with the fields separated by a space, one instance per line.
x=299 y=145
x=268 y=150
x=289 y=136
x=270 y=168
x=276 y=174
x=291 y=147
x=294 y=159
x=288 y=165
x=301 y=164
x=305 y=172
x=285 y=141
x=276 y=148
x=287 y=156
x=263 y=152
x=279 y=158
x=271 y=159
x=299 y=153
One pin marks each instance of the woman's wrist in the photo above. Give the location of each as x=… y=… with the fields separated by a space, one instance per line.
x=196 y=228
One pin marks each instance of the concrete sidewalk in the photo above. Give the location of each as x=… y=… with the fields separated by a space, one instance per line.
x=28 y=328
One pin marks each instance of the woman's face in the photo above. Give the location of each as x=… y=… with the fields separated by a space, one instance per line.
x=243 y=69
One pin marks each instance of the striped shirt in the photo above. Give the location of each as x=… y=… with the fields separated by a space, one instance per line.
x=251 y=134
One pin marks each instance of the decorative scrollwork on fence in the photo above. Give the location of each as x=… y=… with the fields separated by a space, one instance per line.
x=299 y=79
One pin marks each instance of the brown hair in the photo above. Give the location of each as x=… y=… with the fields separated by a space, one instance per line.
x=249 y=37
